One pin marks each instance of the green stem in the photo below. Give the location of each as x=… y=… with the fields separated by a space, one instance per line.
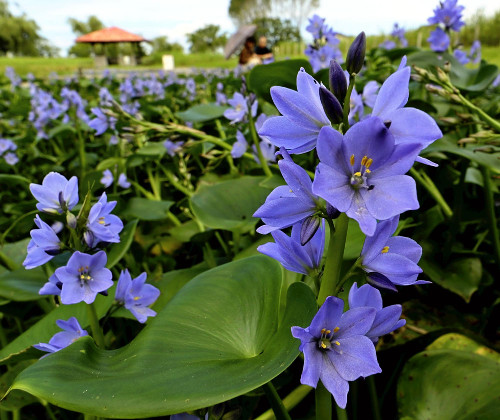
x=323 y=403
x=256 y=142
x=334 y=256
x=153 y=180
x=373 y=398
x=431 y=188
x=14 y=223
x=176 y=184
x=490 y=209
x=341 y=413
x=275 y=401
x=173 y=218
x=16 y=414
x=290 y=401
x=81 y=148
x=7 y=262
x=347 y=103
x=483 y=115
x=347 y=275
x=94 y=325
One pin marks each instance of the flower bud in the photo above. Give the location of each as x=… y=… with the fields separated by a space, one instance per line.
x=356 y=54
x=332 y=212
x=338 y=82
x=331 y=105
x=309 y=227
x=71 y=220
x=380 y=281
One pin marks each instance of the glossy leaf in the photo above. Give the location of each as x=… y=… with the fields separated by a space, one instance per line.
x=145 y=209
x=202 y=113
x=22 y=285
x=230 y=204
x=455 y=378
x=152 y=149
x=280 y=73
x=218 y=338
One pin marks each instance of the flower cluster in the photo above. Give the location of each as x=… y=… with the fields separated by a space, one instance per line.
x=474 y=55
x=398 y=33
x=448 y=17
x=85 y=274
x=7 y=151
x=325 y=46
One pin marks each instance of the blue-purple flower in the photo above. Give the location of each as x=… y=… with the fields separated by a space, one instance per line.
x=240 y=146
x=72 y=331
x=361 y=173
x=52 y=287
x=44 y=245
x=449 y=14
x=102 y=122
x=122 y=181
x=107 y=178
x=173 y=147
x=461 y=56
x=56 y=194
x=302 y=117
x=316 y=26
x=83 y=277
x=336 y=349
x=439 y=40
x=386 y=319
x=101 y=225
x=136 y=296
x=288 y=204
x=239 y=109
x=305 y=259
x=391 y=260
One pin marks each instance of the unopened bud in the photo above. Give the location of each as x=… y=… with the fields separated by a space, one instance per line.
x=71 y=220
x=356 y=54
x=332 y=212
x=442 y=75
x=380 y=281
x=309 y=227
x=338 y=82
x=331 y=105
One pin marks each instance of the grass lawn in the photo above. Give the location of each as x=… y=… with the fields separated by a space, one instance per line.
x=42 y=67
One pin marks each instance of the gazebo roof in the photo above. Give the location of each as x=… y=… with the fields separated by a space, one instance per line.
x=112 y=34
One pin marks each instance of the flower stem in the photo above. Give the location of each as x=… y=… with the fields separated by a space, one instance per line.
x=347 y=103
x=81 y=148
x=323 y=403
x=341 y=413
x=255 y=138
x=94 y=324
x=275 y=401
x=334 y=256
x=290 y=401
x=373 y=398
x=483 y=115
x=490 y=209
x=431 y=188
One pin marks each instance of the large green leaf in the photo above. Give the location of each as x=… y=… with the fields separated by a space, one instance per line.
x=230 y=204
x=202 y=112
x=117 y=251
x=462 y=276
x=145 y=209
x=282 y=73
x=454 y=379
x=218 y=338
x=22 y=285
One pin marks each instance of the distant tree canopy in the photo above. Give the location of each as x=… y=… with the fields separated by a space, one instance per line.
x=160 y=44
x=79 y=28
x=276 y=30
x=246 y=11
x=207 y=38
x=19 y=35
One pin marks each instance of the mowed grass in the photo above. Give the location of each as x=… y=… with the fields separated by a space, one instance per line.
x=42 y=67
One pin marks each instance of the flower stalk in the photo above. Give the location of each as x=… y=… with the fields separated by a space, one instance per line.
x=94 y=325
x=275 y=401
x=323 y=403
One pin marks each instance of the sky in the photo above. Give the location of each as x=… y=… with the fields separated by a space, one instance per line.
x=176 y=18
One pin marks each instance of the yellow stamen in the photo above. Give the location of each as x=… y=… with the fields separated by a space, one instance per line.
x=336 y=329
x=369 y=163
x=323 y=330
x=367 y=171
x=352 y=160
x=357 y=173
x=385 y=250
x=363 y=161
x=337 y=343
x=136 y=297
x=328 y=331
x=323 y=345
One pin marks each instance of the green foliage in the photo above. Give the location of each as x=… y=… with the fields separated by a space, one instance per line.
x=207 y=38
x=186 y=358
x=276 y=30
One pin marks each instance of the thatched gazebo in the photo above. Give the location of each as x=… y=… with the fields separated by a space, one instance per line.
x=113 y=35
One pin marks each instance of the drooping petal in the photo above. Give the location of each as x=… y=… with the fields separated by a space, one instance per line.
x=406 y=247
x=334 y=383
x=281 y=132
x=313 y=364
x=283 y=212
x=374 y=244
x=386 y=321
x=355 y=358
x=391 y=263
x=298 y=180
x=359 y=212
x=413 y=125
x=390 y=196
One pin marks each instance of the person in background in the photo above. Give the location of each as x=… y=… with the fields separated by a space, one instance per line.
x=247 y=55
x=263 y=52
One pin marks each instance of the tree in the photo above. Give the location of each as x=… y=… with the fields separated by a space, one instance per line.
x=19 y=34
x=160 y=44
x=245 y=11
x=79 y=28
x=276 y=30
x=207 y=38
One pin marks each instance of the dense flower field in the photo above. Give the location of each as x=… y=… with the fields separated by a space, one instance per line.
x=222 y=243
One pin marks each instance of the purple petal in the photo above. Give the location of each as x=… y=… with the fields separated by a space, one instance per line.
x=413 y=125
x=308 y=87
x=355 y=357
x=380 y=281
x=328 y=316
x=282 y=132
x=366 y=295
x=334 y=383
x=356 y=321
x=313 y=364
x=391 y=263
x=386 y=321
x=393 y=94
x=406 y=247
x=329 y=149
x=298 y=180
x=374 y=244
x=334 y=187
x=359 y=212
